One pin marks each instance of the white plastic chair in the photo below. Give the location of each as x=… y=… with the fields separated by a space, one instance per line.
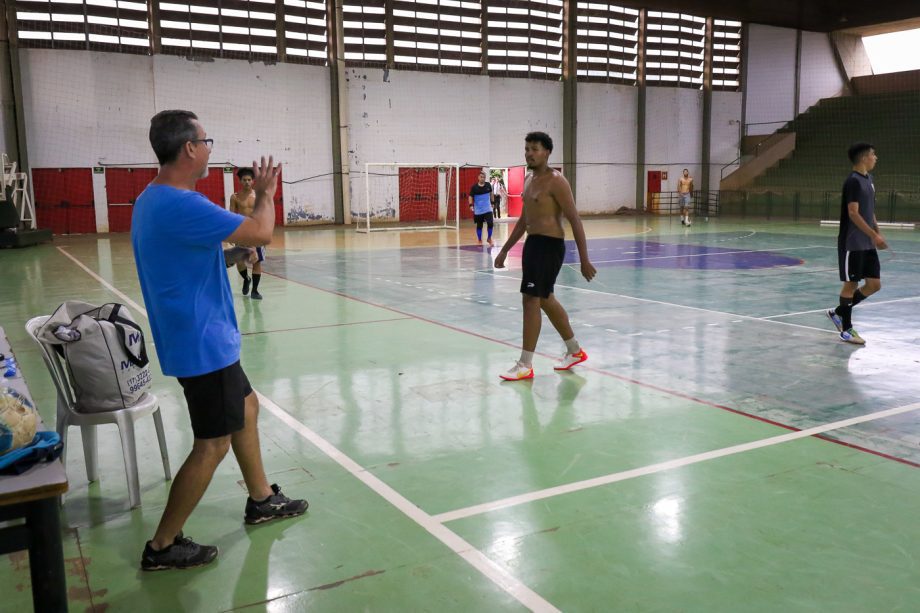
x=67 y=415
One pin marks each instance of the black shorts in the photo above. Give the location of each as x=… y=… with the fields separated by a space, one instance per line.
x=483 y=218
x=859 y=265
x=216 y=401
x=542 y=261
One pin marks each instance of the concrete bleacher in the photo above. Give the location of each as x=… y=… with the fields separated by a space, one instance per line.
x=824 y=132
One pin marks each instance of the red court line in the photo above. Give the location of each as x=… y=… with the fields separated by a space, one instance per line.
x=352 y=323
x=614 y=375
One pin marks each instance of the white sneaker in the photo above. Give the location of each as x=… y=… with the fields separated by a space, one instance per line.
x=570 y=359
x=518 y=372
x=688 y=222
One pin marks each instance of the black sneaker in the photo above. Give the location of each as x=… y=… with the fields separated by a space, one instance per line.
x=256 y=295
x=183 y=553
x=276 y=506
x=246 y=283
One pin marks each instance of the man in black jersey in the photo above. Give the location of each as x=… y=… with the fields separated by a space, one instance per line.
x=857 y=242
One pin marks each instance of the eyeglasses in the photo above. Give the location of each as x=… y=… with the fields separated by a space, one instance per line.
x=208 y=142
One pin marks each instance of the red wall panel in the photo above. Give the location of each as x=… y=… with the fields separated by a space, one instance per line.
x=515 y=189
x=212 y=186
x=122 y=187
x=468 y=178
x=64 y=199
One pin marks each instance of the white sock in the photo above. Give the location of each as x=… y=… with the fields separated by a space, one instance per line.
x=572 y=346
x=526 y=359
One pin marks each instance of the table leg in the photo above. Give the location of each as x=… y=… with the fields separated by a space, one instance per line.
x=46 y=556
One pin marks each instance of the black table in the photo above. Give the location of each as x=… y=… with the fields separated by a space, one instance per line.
x=35 y=496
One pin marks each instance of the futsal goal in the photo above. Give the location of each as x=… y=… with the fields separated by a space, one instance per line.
x=400 y=196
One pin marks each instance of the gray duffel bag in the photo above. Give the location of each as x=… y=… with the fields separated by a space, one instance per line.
x=105 y=353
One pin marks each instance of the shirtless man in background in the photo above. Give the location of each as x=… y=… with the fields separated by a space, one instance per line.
x=684 y=193
x=547 y=198
x=244 y=202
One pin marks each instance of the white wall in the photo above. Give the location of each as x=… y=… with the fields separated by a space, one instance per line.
x=725 y=134
x=770 y=78
x=86 y=109
x=519 y=106
x=414 y=118
x=820 y=75
x=606 y=131
x=426 y=117
x=673 y=138
x=83 y=109
x=771 y=74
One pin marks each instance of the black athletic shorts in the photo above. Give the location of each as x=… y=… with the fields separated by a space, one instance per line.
x=859 y=265
x=216 y=401
x=542 y=261
x=483 y=218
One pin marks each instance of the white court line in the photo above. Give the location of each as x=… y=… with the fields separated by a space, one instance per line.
x=473 y=556
x=862 y=305
x=736 y=238
x=478 y=560
x=105 y=283
x=577 y=486
x=703 y=255
x=661 y=302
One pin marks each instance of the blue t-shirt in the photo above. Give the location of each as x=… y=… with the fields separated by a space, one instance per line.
x=176 y=235
x=482 y=198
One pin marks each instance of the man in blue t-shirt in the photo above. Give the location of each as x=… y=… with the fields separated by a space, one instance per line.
x=176 y=234
x=481 y=203
x=857 y=242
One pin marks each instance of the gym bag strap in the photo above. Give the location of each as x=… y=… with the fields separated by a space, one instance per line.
x=141 y=360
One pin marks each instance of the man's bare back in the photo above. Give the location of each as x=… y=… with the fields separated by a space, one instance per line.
x=542 y=212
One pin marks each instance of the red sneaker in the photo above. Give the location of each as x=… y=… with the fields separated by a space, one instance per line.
x=570 y=359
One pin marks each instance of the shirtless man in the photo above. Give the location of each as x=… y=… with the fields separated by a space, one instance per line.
x=243 y=202
x=684 y=191
x=547 y=198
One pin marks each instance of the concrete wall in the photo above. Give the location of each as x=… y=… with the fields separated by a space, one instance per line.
x=821 y=77
x=423 y=117
x=673 y=138
x=771 y=76
x=88 y=109
x=724 y=136
x=606 y=138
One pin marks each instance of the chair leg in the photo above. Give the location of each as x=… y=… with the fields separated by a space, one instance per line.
x=161 y=439
x=62 y=432
x=90 y=452
x=129 y=450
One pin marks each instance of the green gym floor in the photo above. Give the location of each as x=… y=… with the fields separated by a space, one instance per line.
x=721 y=450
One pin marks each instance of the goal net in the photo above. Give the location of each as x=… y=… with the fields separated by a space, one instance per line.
x=410 y=197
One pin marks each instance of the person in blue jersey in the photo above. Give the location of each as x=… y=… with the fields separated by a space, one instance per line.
x=858 y=241
x=176 y=234
x=481 y=203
